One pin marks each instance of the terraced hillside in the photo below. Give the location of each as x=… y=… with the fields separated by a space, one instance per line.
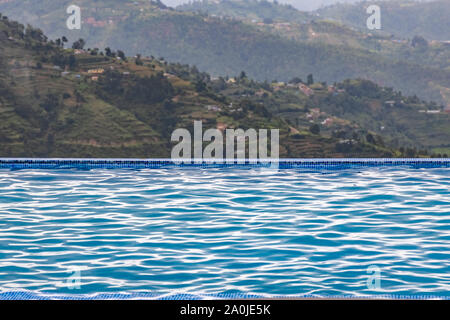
x=223 y=46
x=350 y=110
x=57 y=102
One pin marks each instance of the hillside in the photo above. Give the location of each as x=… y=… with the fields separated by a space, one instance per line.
x=57 y=102
x=223 y=46
x=255 y=10
x=289 y=23
x=403 y=18
x=352 y=110
x=302 y=5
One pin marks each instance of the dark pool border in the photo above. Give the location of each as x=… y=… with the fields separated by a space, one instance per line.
x=62 y=163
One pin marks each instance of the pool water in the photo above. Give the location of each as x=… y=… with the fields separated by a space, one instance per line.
x=225 y=231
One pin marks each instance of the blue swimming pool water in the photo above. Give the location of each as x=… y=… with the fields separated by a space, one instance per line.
x=224 y=231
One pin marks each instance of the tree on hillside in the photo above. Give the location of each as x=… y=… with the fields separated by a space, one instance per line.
x=310 y=79
x=419 y=42
x=121 y=55
x=296 y=80
x=72 y=62
x=139 y=60
x=36 y=34
x=79 y=44
x=194 y=70
x=370 y=138
x=314 y=129
x=200 y=85
x=64 y=41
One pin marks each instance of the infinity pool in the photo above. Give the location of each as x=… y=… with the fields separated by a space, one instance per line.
x=225 y=231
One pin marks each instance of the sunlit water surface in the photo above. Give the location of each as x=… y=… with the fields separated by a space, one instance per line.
x=226 y=231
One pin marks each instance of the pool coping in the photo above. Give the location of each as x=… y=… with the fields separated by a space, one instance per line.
x=123 y=163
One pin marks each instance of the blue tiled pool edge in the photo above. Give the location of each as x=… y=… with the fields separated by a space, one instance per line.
x=27 y=295
x=331 y=163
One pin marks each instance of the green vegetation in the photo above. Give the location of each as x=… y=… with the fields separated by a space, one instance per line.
x=257 y=10
x=402 y=18
x=57 y=102
x=225 y=46
x=352 y=110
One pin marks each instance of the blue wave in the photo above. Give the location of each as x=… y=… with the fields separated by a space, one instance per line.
x=214 y=232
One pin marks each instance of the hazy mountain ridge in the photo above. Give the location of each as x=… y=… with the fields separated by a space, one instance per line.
x=76 y=103
x=56 y=102
x=303 y=5
x=287 y=22
x=256 y=10
x=403 y=18
x=224 y=46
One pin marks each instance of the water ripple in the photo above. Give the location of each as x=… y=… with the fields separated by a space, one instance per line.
x=225 y=231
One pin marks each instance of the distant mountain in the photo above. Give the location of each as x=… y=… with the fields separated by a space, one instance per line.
x=228 y=46
x=403 y=18
x=289 y=23
x=256 y=10
x=308 y=5
x=303 y=5
x=57 y=102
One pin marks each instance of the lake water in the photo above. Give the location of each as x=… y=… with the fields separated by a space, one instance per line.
x=221 y=232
